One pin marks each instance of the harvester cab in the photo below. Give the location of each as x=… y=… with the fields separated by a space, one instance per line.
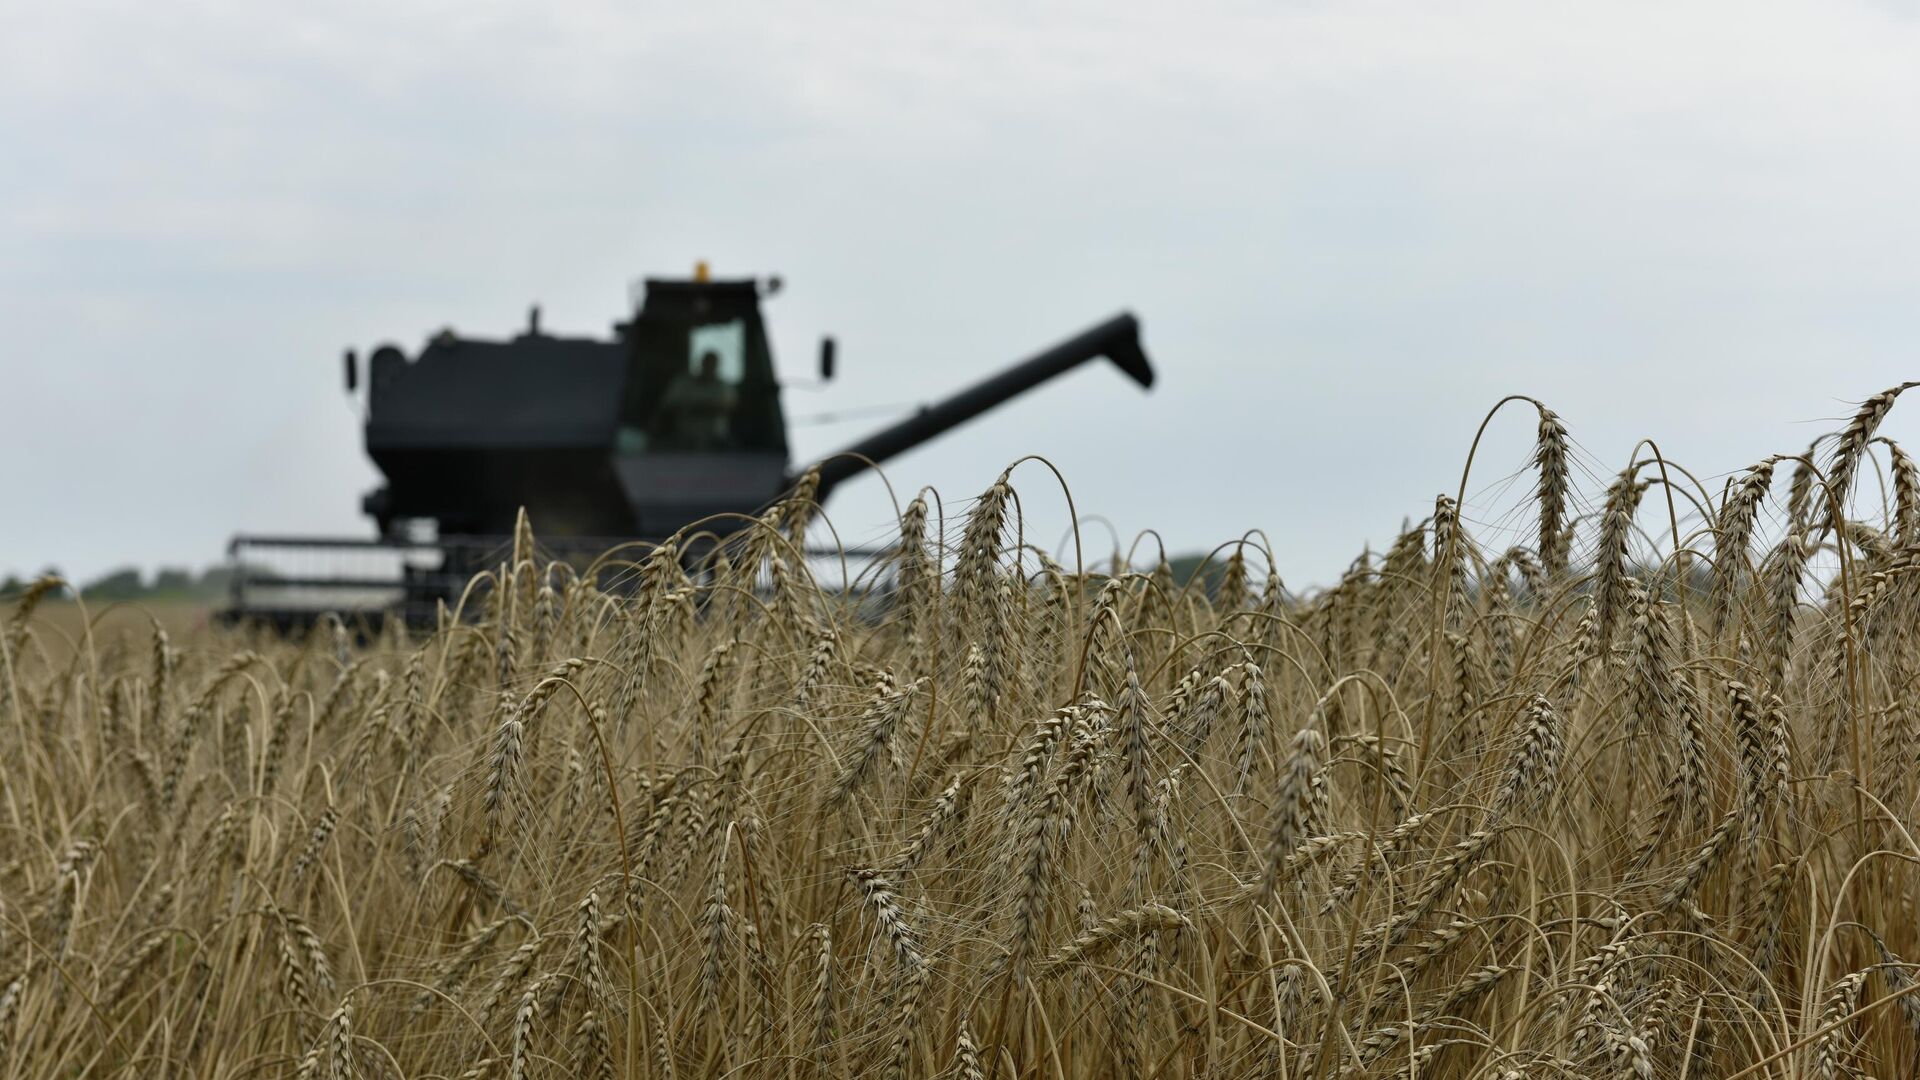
x=674 y=422
x=675 y=419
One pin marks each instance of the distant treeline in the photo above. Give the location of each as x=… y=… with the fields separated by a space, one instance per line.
x=177 y=583
x=131 y=583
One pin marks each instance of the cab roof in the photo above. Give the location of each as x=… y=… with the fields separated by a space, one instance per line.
x=682 y=298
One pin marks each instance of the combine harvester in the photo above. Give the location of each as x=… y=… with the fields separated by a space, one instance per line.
x=675 y=421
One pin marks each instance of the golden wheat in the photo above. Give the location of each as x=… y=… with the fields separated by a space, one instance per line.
x=1611 y=794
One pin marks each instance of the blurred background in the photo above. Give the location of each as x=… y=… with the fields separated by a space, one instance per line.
x=1348 y=230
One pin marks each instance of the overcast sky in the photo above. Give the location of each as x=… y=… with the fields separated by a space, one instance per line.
x=1348 y=229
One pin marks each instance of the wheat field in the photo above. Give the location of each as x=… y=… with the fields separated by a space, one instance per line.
x=1628 y=791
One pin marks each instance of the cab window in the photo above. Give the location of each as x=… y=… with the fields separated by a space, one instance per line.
x=726 y=340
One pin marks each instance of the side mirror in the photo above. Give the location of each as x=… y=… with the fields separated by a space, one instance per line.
x=826 y=359
x=353 y=372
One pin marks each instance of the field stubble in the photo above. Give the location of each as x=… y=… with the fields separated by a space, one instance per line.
x=1633 y=796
